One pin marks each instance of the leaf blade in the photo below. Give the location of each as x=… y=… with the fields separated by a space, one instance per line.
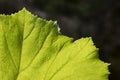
x=32 y=48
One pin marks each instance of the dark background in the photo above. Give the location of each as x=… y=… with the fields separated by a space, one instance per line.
x=81 y=18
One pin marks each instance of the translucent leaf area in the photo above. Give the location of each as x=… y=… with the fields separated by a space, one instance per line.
x=32 y=48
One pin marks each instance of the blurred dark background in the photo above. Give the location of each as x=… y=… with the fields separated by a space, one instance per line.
x=81 y=18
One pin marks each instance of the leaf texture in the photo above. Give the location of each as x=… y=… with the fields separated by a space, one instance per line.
x=32 y=48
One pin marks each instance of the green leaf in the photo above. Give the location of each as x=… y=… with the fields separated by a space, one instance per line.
x=32 y=48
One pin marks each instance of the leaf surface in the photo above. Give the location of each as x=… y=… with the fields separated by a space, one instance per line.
x=32 y=48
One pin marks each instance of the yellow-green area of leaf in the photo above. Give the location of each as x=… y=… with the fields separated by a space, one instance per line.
x=32 y=48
